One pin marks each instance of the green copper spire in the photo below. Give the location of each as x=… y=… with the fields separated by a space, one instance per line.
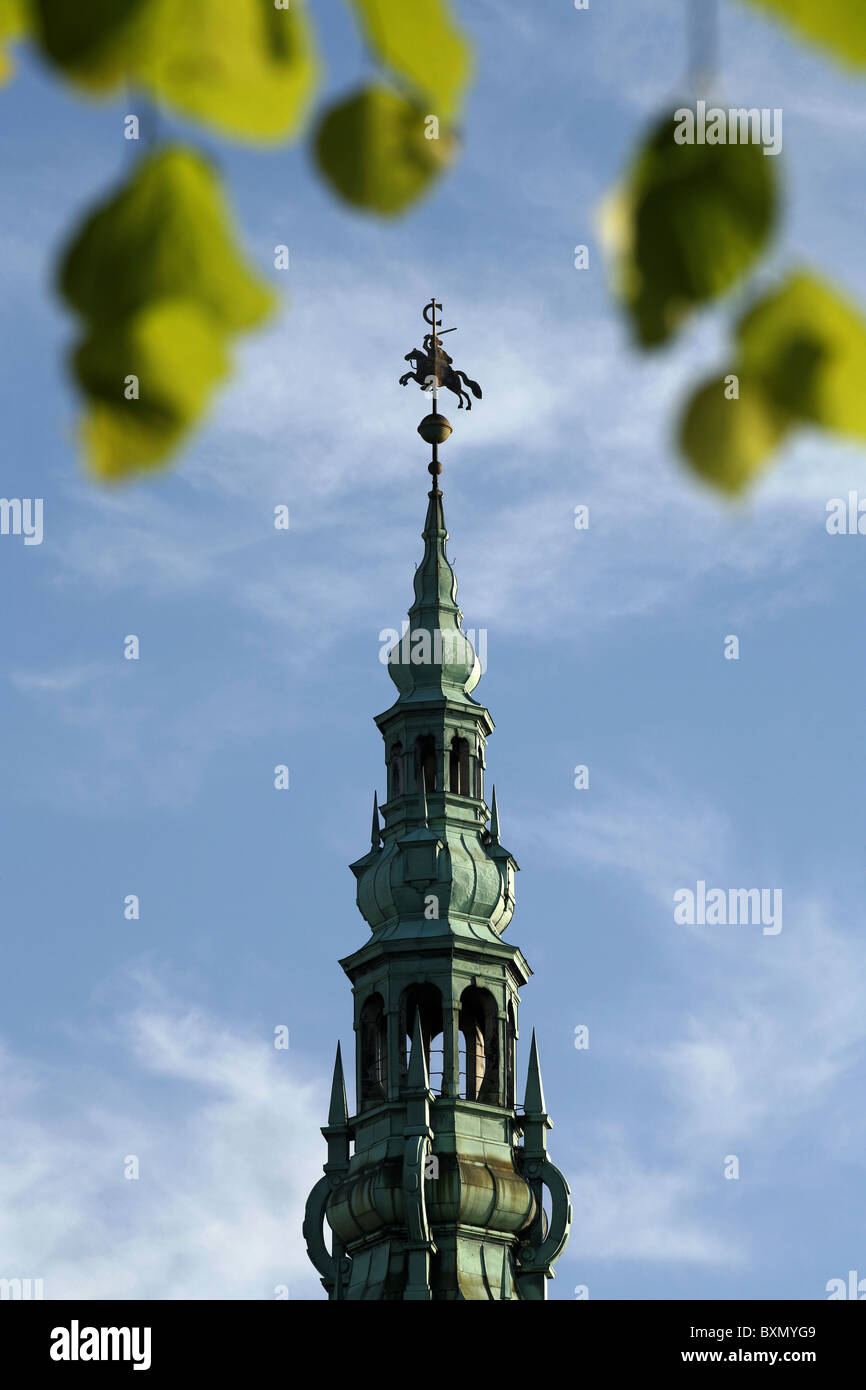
x=435 y=1187
x=338 y=1114
x=434 y=657
x=494 y=820
x=417 y=1078
x=544 y=1241
x=533 y=1100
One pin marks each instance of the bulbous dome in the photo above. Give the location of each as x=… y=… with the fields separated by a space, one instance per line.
x=441 y=661
x=488 y=1194
x=473 y=882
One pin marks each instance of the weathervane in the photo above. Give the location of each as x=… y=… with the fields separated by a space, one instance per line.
x=433 y=369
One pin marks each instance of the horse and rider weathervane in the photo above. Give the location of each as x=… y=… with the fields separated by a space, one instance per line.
x=433 y=369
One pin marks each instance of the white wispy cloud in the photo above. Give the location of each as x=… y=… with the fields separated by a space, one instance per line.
x=60 y=681
x=657 y=832
x=628 y=1209
x=763 y=1050
x=751 y=1050
x=224 y=1175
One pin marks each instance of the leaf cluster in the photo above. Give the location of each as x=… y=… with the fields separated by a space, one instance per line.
x=690 y=222
x=155 y=272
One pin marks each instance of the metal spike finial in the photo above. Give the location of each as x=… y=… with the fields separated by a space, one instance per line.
x=338 y=1111
x=533 y=1101
x=375 y=830
x=418 y=1077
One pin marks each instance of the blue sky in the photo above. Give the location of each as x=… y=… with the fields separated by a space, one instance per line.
x=604 y=647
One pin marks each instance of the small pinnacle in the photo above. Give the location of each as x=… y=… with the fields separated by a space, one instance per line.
x=375 y=833
x=338 y=1112
x=418 y=1078
x=533 y=1101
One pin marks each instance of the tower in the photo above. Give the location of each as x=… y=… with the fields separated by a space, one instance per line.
x=434 y=1188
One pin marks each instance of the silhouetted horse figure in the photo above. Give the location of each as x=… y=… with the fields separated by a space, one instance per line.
x=440 y=369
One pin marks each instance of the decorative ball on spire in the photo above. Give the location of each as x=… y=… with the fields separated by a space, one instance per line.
x=434 y=429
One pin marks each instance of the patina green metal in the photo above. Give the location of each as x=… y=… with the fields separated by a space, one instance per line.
x=433 y=1189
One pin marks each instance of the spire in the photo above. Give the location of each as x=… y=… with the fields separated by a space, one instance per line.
x=418 y=1078
x=338 y=1112
x=546 y=1238
x=533 y=1101
x=434 y=656
x=436 y=888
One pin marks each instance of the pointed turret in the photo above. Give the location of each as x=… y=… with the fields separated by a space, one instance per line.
x=338 y=1111
x=544 y=1241
x=533 y=1101
x=338 y=1131
x=417 y=1136
x=434 y=657
x=417 y=1078
x=374 y=853
x=332 y=1265
x=494 y=819
x=443 y=1196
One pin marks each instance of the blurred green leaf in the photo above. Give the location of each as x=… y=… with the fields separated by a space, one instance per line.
x=420 y=43
x=156 y=274
x=372 y=148
x=689 y=221
x=175 y=351
x=838 y=25
x=13 y=25
x=802 y=361
x=728 y=442
x=809 y=347
x=241 y=66
x=166 y=233
x=90 y=40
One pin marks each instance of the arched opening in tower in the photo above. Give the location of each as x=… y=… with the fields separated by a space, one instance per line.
x=374 y=1051
x=458 y=767
x=510 y=1049
x=479 y=1052
x=397 y=770
x=425 y=762
x=425 y=1000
